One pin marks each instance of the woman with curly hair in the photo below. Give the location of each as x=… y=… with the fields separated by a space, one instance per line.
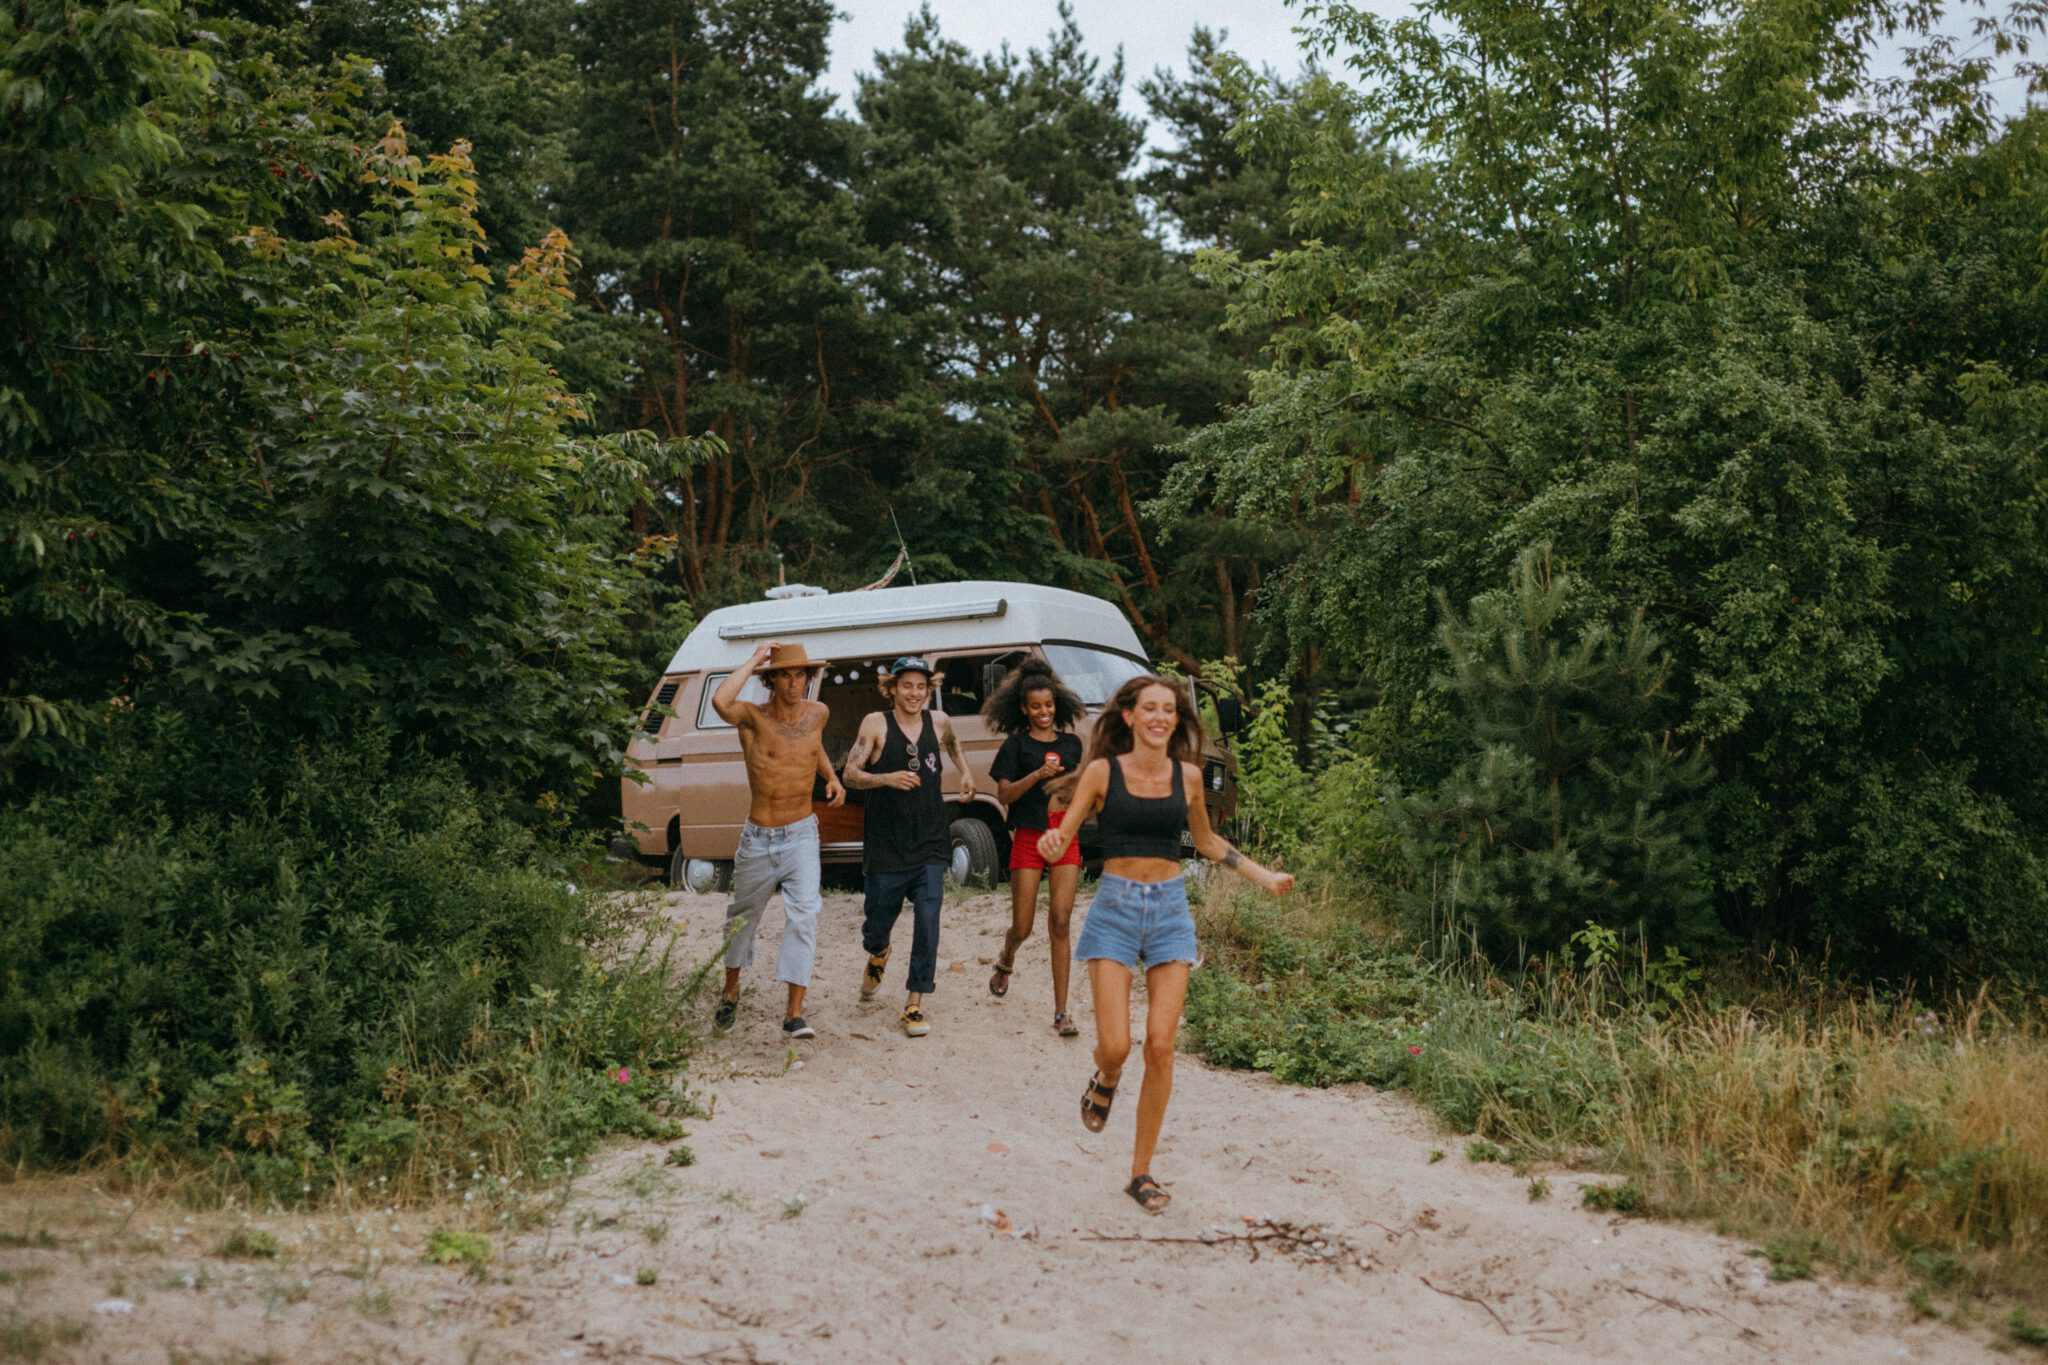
x=1137 y=782
x=1033 y=772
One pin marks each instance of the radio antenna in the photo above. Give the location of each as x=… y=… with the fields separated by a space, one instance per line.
x=902 y=545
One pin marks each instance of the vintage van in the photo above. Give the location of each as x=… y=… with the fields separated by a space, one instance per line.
x=685 y=793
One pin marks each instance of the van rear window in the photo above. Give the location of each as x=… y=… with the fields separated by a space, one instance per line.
x=708 y=719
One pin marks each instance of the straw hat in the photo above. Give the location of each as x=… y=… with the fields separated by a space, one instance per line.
x=790 y=656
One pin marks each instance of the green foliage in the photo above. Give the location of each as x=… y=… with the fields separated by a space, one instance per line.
x=460 y=1248
x=1576 y=804
x=251 y=1244
x=1626 y=1197
x=1751 y=339
x=297 y=965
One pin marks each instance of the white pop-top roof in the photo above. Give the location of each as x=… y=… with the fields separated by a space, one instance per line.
x=896 y=621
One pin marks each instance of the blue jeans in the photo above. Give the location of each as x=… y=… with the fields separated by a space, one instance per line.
x=1131 y=921
x=925 y=887
x=782 y=859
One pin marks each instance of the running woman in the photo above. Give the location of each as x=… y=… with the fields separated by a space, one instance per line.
x=1034 y=772
x=1136 y=782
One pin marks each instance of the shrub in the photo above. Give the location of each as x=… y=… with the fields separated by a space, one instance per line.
x=297 y=964
x=1573 y=804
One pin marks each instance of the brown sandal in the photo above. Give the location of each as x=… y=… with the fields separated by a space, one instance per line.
x=1146 y=1191
x=1063 y=1024
x=999 y=980
x=1095 y=1117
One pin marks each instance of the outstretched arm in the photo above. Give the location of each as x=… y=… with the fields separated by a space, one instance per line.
x=1088 y=794
x=949 y=740
x=1217 y=849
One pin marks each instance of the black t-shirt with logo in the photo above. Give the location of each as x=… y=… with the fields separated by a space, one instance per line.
x=1020 y=756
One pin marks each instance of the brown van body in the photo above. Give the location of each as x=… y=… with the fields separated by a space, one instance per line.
x=685 y=792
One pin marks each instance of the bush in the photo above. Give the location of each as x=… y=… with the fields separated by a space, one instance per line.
x=1573 y=805
x=333 y=960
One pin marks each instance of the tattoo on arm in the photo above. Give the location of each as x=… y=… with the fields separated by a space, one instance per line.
x=855 y=771
x=1231 y=857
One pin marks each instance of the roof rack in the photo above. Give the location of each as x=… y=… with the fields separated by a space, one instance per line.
x=788 y=624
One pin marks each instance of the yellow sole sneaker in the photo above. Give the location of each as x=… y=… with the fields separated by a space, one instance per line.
x=914 y=1025
x=871 y=979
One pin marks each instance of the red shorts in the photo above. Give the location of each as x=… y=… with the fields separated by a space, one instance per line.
x=1024 y=855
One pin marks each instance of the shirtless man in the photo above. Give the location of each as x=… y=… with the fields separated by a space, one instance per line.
x=783 y=742
x=906 y=840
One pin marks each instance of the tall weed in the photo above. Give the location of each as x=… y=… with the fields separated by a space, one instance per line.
x=1781 y=1103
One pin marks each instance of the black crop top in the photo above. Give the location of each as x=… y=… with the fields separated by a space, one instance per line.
x=1141 y=826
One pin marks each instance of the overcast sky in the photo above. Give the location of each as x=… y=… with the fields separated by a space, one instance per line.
x=1152 y=33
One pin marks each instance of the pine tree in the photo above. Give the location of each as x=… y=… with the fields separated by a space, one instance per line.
x=1575 y=804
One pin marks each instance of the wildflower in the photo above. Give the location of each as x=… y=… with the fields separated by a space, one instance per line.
x=622 y=1075
x=1414 y=1050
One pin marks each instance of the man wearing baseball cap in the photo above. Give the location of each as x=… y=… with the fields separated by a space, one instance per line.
x=783 y=744
x=907 y=839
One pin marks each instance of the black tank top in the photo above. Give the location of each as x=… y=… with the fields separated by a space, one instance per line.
x=906 y=830
x=1141 y=826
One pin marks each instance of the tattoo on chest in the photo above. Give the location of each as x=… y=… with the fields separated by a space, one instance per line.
x=801 y=729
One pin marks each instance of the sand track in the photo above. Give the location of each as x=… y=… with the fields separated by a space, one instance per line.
x=835 y=1212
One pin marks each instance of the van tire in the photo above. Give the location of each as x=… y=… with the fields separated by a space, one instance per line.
x=974 y=853
x=718 y=881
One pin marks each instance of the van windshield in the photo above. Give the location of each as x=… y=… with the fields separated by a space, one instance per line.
x=1093 y=674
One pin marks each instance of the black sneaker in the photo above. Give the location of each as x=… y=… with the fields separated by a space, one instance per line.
x=725 y=1016
x=797 y=1028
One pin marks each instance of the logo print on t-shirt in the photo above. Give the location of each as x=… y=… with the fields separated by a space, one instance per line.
x=931 y=763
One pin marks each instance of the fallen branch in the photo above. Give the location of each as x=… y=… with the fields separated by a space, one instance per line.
x=1306 y=1241
x=1679 y=1306
x=1499 y=1321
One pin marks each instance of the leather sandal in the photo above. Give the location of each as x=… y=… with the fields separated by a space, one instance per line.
x=1146 y=1191
x=1094 y=1116
x=999 y=980
x=1063 y=1024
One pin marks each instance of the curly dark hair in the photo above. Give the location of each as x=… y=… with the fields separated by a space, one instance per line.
x=1004 y=708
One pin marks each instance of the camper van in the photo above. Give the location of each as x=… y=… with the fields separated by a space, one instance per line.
x=685 y=791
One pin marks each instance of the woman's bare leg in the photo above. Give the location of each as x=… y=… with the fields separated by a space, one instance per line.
x=1110 y=983
x=1023 y=910
x=1166 y=991
x=1059 y=919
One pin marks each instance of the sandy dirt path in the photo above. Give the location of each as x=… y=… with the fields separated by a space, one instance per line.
x=836 y=1212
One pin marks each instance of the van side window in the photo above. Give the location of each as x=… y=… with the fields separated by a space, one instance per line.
x=965 y=680
x=708 y=719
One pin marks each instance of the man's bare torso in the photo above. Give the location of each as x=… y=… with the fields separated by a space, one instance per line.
x=781 y=751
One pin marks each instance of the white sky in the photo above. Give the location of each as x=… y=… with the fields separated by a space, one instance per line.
x=1152 y=33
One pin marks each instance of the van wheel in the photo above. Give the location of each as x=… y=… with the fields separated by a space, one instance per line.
x=974 y=854
x=698 y=874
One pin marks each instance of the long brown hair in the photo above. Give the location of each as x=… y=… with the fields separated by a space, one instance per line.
x=1113 y=733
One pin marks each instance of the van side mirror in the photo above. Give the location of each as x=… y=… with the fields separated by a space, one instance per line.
x=1229 y=714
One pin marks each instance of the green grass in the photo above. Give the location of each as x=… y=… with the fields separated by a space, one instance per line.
x=1825 y=1122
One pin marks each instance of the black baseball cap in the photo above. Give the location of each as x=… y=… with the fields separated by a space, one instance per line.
x=911 y=663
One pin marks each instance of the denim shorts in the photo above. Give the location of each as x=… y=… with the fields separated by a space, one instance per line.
x=1129 y=922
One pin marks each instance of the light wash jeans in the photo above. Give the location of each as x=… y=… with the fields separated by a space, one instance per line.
x=784 y=859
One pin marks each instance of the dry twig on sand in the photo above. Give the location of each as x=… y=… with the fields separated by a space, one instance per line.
x=1307 y=1242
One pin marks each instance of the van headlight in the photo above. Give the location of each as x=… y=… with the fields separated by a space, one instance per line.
x=1213 y=771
